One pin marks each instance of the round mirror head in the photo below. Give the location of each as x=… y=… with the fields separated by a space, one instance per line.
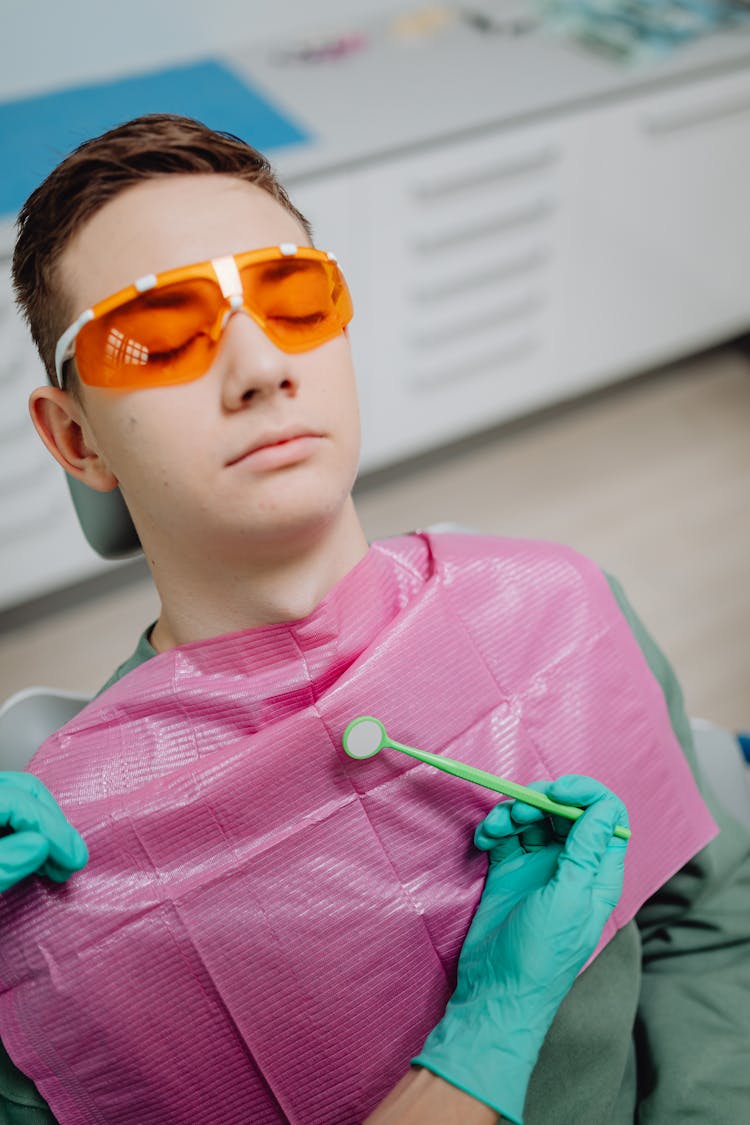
x=364 y=737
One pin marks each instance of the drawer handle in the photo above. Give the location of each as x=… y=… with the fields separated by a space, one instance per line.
x=486 y=320
x=499 y=272
x=675 y=122
x=492 y=361
x=485 y=228
x=491 y=173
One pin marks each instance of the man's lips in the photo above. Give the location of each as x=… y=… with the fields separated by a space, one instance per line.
x=279 y=448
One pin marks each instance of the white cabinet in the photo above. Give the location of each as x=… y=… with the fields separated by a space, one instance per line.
x=657 y=238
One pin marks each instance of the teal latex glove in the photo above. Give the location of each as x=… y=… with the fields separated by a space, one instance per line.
x=39 y=837
x=551 y=886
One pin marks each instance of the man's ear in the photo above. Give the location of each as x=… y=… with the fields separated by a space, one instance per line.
x=58 y=419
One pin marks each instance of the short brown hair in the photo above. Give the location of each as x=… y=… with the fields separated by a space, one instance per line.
x=146 y=147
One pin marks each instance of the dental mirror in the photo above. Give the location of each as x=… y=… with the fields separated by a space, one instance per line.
x=365 y=737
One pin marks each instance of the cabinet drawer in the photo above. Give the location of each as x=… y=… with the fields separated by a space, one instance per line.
x=462 y=245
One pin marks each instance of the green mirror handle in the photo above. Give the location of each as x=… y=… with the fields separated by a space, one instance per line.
x=499 y=784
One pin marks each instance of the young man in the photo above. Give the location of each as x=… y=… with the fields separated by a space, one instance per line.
x=220 y=398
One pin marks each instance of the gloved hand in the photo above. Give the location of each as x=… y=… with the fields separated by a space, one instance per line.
x=39 y=837
x=551 y=886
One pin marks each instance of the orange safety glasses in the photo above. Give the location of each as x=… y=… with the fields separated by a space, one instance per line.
x=166 y=328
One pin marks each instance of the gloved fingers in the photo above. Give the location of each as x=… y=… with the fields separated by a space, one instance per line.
x=26 y=805
x=507 y=884
x=586 y=792
x=578 y=789
x=55 y=872
x=556 y=827
x=538 y=867
x=535 y=828
x=67 y=852
x=30 y=784
x=607 y=886
x=507 y=819
x=498 y=833
x=503 y=849
x=596 y=889
x=537 y=836
x=21 y=854
x=592 y=834
x=524 y=813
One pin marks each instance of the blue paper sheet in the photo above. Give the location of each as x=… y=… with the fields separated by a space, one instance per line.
x=37 y=132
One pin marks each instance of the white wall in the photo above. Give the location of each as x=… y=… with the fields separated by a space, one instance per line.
x=48 y=44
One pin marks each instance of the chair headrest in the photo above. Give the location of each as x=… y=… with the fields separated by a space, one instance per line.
x=105 y=521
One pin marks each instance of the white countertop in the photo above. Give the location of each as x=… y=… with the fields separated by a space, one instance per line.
x=396 y=93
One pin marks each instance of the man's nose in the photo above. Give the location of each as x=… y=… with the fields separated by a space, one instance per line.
x=251 y=365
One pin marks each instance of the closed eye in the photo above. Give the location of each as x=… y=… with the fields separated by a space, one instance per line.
x=310 y=318
x=170 y=354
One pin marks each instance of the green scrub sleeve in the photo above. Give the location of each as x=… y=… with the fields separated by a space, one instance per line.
x=143 y=651
x=692 y=1030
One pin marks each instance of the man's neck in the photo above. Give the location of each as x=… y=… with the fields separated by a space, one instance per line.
x=286 y=585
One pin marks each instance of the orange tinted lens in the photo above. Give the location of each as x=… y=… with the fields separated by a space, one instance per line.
x=161 y=336
x=301 y=303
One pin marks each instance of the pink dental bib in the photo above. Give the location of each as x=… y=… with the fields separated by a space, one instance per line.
x=267 y=930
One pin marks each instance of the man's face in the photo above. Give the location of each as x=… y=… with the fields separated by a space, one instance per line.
x=211 y=462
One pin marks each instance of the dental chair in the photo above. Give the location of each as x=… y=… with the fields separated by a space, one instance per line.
x=30 y=716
